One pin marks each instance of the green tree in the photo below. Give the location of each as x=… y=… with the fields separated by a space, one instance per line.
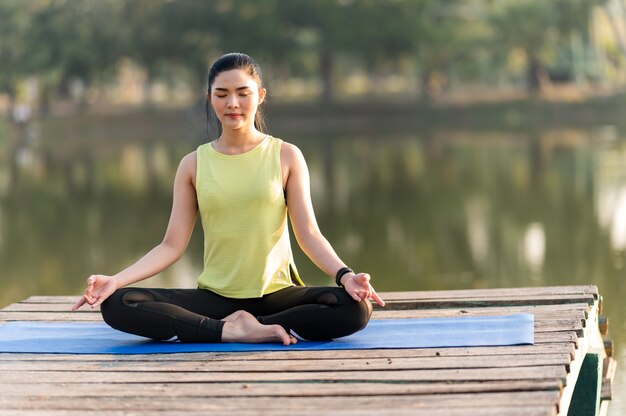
x=445 y=34
x=14 y=22
x=538 y=29
x=322 y=28
x=73 y=41
x=378 y=33
x=149 y=39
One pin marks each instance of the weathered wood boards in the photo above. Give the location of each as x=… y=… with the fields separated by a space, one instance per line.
x=536 y=379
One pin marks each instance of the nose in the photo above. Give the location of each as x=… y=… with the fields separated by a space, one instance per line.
x=232 y=102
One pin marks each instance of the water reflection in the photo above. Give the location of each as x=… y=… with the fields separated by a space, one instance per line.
x=611 y=196
x=437 y=209
x=534 y=248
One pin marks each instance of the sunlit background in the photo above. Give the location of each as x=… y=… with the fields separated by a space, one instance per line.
x=452 y=144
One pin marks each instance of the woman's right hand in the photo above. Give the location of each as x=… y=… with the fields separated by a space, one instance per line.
x=99 y=287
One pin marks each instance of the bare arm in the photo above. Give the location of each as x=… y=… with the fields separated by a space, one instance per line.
x=179 y=229
x=313 y=243
x=173 y=246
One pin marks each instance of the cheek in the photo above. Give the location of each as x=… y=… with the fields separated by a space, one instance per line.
x=217 y=105
x=252 y=103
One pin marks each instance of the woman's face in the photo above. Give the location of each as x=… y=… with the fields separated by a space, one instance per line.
x=235 y=96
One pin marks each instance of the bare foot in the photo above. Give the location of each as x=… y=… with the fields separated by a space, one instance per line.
x=241 y=326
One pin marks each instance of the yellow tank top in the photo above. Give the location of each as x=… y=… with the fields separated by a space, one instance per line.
x=247 y=252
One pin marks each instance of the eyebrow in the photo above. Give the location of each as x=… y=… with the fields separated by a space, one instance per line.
x=237 y=89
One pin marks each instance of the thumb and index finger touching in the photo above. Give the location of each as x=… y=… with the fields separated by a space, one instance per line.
x=88 y=296
x=364 y=280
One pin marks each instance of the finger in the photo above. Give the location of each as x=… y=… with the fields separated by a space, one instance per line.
x=377 y=298
x=362 y=294
x=99 y=301
x=90 y=286
x=78 y=304
x=355 y=296
x=84 y=299
x=367 y=295
x=364 y=279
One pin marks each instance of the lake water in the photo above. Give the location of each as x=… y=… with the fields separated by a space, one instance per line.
x=446 y=209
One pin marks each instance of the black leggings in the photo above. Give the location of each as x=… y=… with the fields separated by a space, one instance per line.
x=193 y=315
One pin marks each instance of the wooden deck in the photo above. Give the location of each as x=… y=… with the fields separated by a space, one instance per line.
x=568 y=371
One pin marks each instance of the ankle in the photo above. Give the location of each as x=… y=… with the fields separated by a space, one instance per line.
x=230 y=332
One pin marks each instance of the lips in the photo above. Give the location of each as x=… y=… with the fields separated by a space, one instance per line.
x=233 y=115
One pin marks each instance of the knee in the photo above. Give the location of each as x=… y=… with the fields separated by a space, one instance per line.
x=111 y=307
x=115 y=308
x=354 y=316
x=362 y=314
x=359 y=312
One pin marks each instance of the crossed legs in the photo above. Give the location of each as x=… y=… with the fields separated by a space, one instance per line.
x=197 y=315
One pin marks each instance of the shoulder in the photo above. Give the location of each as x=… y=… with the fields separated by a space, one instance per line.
x=189 y=159
x=188 y=164
x=290 y=153
x=292 y=161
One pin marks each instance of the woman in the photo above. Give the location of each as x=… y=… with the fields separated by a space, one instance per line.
x=242 y=185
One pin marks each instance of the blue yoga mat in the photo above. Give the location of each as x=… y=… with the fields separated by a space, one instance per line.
x=98 y=338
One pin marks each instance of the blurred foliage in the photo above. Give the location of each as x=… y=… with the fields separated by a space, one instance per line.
x=62 y=41
x=539 y=30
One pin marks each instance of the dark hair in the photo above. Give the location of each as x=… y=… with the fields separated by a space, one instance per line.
x=226 y=63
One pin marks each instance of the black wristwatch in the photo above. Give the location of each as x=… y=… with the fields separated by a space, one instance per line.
x=340 y=274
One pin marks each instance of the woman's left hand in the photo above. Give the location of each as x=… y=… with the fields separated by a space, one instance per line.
x=358 y=286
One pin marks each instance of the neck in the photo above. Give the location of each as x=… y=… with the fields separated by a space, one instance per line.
x=233 y=142
x=238 y=137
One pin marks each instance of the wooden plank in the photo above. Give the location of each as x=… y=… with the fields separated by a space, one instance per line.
x=608 y=377
x=226 y=404
x=529 y=410
x=547 y=372
x=516 y=291
x=488 y=301
x=565 y=336
x=53 y=389
x=606 y=391
x=386 y=364
x=609 y=368
x=539 y=315
x=49 y=317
